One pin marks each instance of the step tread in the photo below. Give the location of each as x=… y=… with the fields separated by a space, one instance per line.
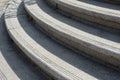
x=45 y=59
x=6 y=72
x=103 y=15
x=42 y=13
x=13 y=66
x=101 y=4
x=92 y=8
x=36 y=46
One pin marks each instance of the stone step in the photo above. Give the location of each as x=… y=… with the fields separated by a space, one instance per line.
x=81 y=10
x=40 y=55
x=6 y=73
x=13 y=64
x=58 y=61
x=80 y=37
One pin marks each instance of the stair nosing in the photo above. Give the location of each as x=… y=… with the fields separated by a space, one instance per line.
x=34 y=11
x=100 y=13
x=32 y=49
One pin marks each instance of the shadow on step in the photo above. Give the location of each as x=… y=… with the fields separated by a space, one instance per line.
x=90 y=67
x=14 y=58
x=101 y=3
x=83 y=27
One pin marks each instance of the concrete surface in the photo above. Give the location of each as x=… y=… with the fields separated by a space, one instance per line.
x=94 y=13
x=13 y=66
x=93 y=44
x=51 y=56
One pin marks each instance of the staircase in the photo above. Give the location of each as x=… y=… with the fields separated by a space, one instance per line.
x=65 y=39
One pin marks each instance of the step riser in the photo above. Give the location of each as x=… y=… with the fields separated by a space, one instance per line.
x=46 y=53
x=45 y=59
x=79 y=45
x=82 y=14
x=38 y=61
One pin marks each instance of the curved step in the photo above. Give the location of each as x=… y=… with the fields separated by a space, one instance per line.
x=89 y=70
x=93 y=13
x=40 y=55
x=55 y=59
x=13 y=66
x=6 y=72
x=95 y=46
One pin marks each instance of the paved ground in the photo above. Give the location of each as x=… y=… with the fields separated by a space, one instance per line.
x=10 y=56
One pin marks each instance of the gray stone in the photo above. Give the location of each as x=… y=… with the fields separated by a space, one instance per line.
x=89 y=12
